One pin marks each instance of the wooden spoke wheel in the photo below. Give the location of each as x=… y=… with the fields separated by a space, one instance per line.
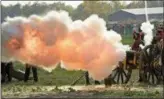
x=149 y=71
x=121 y=75
x=151 y=77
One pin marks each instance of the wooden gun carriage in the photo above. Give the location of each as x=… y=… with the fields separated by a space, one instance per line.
x=148 y=61
x=122 y=73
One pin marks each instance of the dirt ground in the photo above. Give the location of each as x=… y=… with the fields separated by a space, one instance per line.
x=57 y=86
x=91 y=91
x=100 y=91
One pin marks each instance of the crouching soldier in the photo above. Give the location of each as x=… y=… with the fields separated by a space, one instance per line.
x=27 y=73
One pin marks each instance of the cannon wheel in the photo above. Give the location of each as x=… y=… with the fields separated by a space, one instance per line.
x=148 y=71
x=121 y=75
x=152 y=78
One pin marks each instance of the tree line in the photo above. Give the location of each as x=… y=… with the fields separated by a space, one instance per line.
x=84 y=10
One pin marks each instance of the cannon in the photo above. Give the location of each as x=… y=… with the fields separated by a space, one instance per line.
x=148 y=61
x=18 y=74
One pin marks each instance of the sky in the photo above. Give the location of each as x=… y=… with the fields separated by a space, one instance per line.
x=72 y=3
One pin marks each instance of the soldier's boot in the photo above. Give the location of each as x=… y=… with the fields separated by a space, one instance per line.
x=97 y=82
x=87 y=79
x=27 y=74
x=34 y=70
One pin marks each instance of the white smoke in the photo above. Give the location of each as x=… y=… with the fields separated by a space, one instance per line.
x=147 y=29
x=45 y=41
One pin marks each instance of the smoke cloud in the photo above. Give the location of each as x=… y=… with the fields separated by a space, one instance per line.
x=47 y=40
x=147 y=29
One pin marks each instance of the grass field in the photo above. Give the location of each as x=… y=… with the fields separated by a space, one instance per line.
x=49 y=85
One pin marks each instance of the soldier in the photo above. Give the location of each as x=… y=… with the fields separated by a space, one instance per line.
x=138 y=36
x=162 y=58
x=3 y=72
x=9 y=68
x=6 y=71
x=160 y=33
x=27 y=73
x=158 y=38
x=87 y=78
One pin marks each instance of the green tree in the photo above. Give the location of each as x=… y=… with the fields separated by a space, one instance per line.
x=80 y=13
x=117 y=5
x=141 y=4
x=97 y=7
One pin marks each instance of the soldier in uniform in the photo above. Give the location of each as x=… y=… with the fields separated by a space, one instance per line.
x=6 y=69
x=160 y=35
x=87 y=78
x=9 y=68
x=27 y=72
x=162 y=58
x=3 y=72
x=160 y=32
x=138 y=36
